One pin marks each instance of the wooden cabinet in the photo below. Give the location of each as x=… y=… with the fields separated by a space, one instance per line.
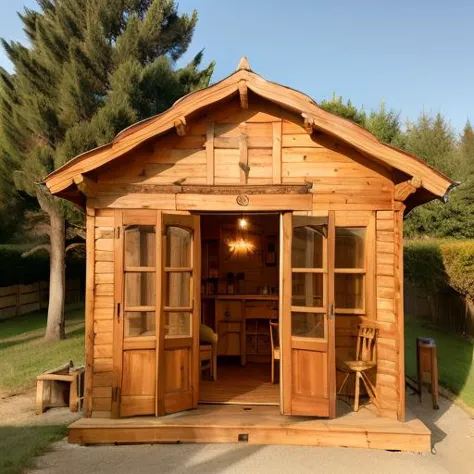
x=229 y=327
x=242 y=325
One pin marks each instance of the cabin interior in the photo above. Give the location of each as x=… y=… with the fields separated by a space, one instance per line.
x=240 y=298
x=239 y=301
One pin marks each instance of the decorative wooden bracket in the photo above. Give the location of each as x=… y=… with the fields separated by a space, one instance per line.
x=403 y=190
x=180 y=125
x=86 y=185
x=243 y=92
x=308 y=123
x=243 y=64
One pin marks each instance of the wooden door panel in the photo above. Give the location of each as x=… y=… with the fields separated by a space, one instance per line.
x=135 y=371
x=310 y=373
x=138 y=382
x=177 y=370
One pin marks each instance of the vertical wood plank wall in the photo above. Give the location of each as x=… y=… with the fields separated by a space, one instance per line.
x=277 y=149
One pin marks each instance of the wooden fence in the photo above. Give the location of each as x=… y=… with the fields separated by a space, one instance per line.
x=21 y=299
x=447 y=309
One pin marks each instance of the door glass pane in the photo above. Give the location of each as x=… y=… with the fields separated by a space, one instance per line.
x=177 y=324
x=349 y=289
x=178 y=248
x=307 y=247
x=140 y=246
x=350 y=251
x=139 y=289
x=139 y=323
x=307 y=289
x=309 y=325
x=178 y=286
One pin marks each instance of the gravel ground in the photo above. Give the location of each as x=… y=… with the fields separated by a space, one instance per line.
x=453 y=438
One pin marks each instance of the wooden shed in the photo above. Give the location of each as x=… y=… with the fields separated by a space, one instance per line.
x=245 y=217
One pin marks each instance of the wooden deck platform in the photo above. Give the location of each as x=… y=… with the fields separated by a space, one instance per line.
x=237 y=385
x=256 y=425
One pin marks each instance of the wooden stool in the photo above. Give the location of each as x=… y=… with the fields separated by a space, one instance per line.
x=60 y=387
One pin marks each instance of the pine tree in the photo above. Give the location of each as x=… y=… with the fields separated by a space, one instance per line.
x=385 y=125
x=467 y=152
x=346 y=110
x=432 y=139
x=90 y=69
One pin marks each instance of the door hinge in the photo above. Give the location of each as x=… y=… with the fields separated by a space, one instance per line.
x=117 y=232
x=331 y=314
x=115 y=394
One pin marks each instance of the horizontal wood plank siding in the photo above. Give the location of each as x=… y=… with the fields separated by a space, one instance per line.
x=388 y=379
x=103 y=313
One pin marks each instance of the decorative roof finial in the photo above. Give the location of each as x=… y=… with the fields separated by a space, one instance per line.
x=243 y=64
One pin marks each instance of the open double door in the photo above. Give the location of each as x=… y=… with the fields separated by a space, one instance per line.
x=157 y=298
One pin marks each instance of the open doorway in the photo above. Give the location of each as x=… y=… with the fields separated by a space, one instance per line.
x=239 y=337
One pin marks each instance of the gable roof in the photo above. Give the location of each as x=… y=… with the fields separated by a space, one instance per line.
x=433 y=182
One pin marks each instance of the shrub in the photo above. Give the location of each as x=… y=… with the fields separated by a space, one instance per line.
x=434 y=264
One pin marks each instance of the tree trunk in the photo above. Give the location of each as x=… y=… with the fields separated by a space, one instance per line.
x=57 y=278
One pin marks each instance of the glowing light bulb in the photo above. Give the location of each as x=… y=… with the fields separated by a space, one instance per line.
x=243 y=223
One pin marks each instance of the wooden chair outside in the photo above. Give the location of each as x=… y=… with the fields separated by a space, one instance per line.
x=275 y=343
x=365 y=359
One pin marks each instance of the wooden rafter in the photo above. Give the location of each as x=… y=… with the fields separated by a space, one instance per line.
x=180 y=125
x=86 y=185
x=404 y=189
x=243 y=93
x=308 y=123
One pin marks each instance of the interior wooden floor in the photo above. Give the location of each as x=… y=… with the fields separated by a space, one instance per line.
x=237 y=385
x=257 y=425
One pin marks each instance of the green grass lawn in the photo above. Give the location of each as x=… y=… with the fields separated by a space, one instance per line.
x=455 y=357
x=23 y=355
x=20 y=444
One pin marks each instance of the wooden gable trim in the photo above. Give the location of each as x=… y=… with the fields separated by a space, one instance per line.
x=205 y=202
x=316 y=118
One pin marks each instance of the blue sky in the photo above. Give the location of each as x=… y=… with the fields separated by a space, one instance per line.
x=414 y=54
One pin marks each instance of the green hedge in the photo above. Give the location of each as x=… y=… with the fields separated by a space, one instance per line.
x=17 y=270
x=434 y=264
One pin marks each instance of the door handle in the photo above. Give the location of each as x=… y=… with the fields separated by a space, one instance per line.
x=118 y=312
x=331 y=314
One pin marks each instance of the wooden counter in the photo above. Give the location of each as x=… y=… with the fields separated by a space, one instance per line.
x=242 y=297
x=242 y=324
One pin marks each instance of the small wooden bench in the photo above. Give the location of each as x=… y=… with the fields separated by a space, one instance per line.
x=60 y=387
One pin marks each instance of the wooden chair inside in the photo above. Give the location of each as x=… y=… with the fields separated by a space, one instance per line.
x=206 y=359
x=275 y=343
x=208 y=350
x=365 y=359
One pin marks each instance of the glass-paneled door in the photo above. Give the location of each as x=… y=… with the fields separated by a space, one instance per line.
x=178 y=345
x=156 y=327
x=308 y=366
